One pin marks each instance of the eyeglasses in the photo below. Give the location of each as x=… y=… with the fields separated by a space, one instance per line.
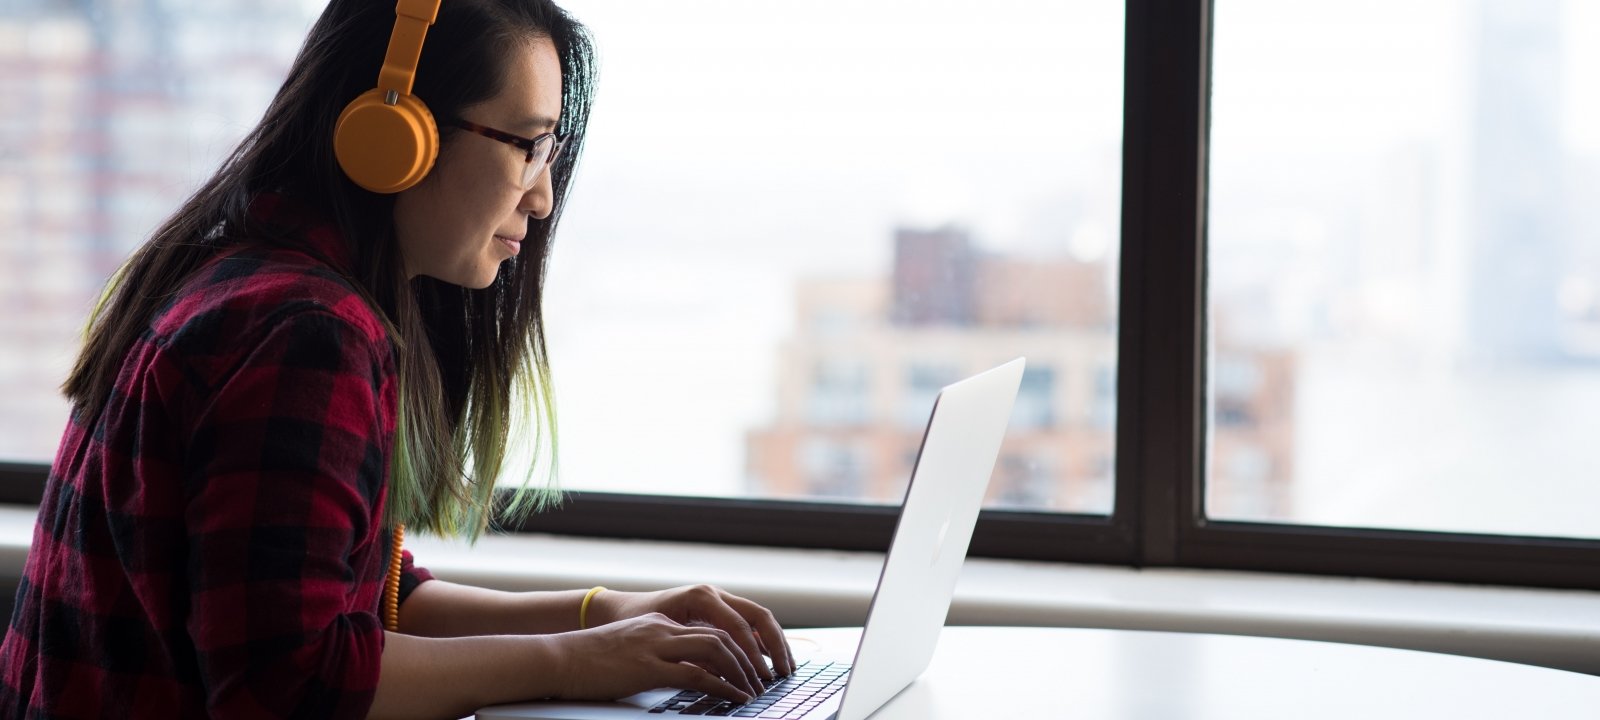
x=542 y=150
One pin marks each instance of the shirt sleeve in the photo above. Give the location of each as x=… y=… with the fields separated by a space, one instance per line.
x=286 y=463
x=410 y=575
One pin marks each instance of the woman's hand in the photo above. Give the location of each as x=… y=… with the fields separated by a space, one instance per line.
x=752 y=627
x=652 y=651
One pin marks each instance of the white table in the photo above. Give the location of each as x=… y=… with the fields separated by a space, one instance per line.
x=1000 y=672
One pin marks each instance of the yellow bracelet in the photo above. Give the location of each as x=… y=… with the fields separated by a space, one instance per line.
x=583 y=612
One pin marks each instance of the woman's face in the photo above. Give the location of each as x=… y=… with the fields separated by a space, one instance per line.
x=471 y=212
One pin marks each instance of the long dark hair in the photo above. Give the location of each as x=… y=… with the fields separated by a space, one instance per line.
x=471 y=362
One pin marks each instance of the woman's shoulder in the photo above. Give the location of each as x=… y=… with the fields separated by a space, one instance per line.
x=243 y=295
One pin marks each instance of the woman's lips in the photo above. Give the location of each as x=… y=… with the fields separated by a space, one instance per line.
x=514 y=243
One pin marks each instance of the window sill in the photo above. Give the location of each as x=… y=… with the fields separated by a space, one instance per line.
x=810 y=588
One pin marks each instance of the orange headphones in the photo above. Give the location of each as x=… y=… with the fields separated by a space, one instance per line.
x=386 y=139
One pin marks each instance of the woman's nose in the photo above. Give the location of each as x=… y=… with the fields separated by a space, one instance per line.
x=539 y=200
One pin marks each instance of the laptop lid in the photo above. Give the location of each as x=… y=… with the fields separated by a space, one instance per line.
x=947 y=487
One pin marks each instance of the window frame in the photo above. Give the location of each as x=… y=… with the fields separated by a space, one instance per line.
x=1158 y=515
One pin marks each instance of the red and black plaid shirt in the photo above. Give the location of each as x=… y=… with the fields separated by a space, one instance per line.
x=211 y=544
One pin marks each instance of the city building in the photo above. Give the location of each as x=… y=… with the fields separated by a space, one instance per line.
x=858 y=380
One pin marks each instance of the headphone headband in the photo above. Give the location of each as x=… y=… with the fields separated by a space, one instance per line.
x=411 y=21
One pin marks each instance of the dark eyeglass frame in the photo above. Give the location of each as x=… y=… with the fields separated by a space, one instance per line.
x=527 y=145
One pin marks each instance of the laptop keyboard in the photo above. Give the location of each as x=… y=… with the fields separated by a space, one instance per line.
x=787 y=697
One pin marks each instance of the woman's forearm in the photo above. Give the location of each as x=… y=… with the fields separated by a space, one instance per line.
x=440 y=609
x=449 y=678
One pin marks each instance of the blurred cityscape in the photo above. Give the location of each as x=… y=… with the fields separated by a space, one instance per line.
x=858 y=381
x=101 y=105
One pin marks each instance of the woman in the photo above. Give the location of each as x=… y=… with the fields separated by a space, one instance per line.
x=292 y=369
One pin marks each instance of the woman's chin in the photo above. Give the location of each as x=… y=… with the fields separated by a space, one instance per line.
x=476 y=279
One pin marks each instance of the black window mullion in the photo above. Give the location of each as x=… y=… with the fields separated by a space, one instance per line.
x=1162 y=313
x=717 y=520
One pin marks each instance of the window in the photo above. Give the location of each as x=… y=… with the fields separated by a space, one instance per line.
x=835 y=469
x=1303 y=288
x=923 y=382
x=874 y=209
x=837 y=395
x=1024 y=481
x=1034 y=408
x=1405 y=267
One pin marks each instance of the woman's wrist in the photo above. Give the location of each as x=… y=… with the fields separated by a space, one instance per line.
x=452 y=677
x=550 y=654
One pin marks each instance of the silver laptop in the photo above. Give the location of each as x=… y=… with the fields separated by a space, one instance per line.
x=909 y=607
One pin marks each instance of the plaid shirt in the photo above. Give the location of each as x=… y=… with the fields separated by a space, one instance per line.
x=211 y=544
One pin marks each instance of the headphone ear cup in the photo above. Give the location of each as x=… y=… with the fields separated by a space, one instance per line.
x=386 y=148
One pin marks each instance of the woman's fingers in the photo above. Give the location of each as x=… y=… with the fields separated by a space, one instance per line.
x=756 y=671
x=713 y=648
x=782 y=662
x=738 y=654
x=719 y=612
x=771 y=633
x=653 y=650
x=691 y=677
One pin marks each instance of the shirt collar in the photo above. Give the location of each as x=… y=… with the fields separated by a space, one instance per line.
x=304 y=227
